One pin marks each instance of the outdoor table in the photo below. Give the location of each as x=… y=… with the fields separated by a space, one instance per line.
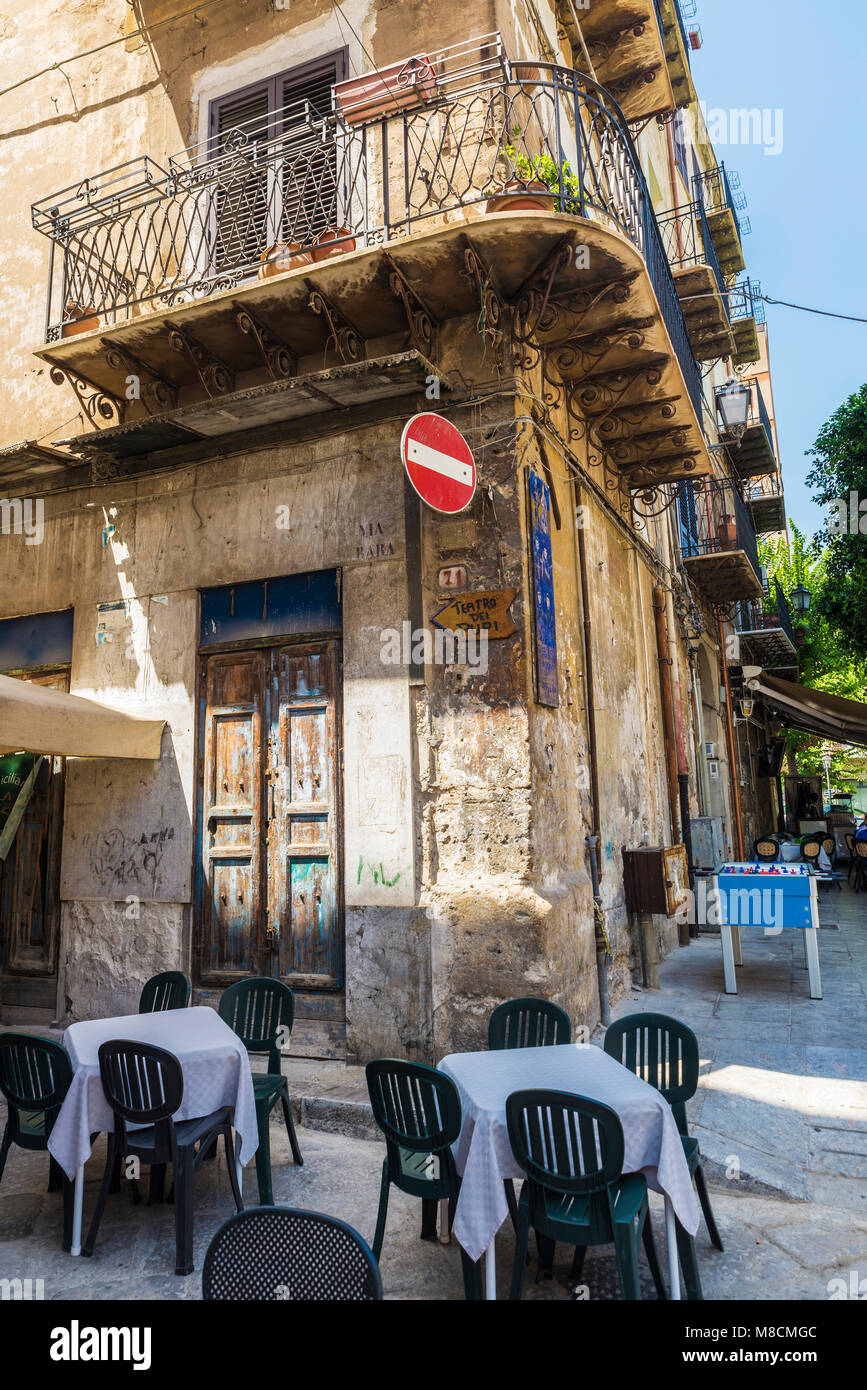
x=216 y=1072
x=737 y=886
x=483 y=1154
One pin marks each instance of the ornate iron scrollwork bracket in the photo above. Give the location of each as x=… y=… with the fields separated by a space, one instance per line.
x=277 y=356
x=157 y=393
x=101 y=407
x=494 y=314
x=215 y=376
x=104 y=467
x=533 y=311
x=343 y=334
x=420 y=321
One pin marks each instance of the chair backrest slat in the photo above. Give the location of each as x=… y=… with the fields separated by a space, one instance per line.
x=35 y=1075
x=259 y=1010
x=661 y=1051
x=567 y=1145
x=528 y=1023
x=170 y=990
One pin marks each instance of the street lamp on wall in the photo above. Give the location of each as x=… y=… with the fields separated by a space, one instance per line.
x=733 y=403
x=801 y=597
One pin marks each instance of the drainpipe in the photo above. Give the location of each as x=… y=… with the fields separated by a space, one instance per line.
x=669 y=739
x=730 y=742
x=593 y=840
x=687 y=930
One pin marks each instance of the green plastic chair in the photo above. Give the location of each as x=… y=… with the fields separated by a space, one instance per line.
x=170 y=990
x=528 y=1023
x=35 y=1074
x=664 y=1053
x=260 y=1011
x=419 y=1112
x=571 y=1149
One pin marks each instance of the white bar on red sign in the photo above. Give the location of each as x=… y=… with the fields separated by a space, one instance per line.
x=426 y=457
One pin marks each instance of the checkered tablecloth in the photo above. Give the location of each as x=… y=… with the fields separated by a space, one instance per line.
x=215 y=1065
x=484 y=1156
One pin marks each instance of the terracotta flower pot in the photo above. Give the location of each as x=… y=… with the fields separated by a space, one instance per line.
x=387 y=91
x=526 y=73
x=727 y=532
x=83 y=320
x=334 y=241
x=289 y=256
x=522 y=195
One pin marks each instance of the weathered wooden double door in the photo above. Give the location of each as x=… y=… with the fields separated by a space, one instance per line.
x=269 y=894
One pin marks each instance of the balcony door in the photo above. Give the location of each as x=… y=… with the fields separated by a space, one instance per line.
x=279 y=179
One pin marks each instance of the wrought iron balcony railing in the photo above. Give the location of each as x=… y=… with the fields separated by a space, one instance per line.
x=719 y=191
x=752 y=618
x=746 y=301
x=714 y=520
x=687 y=241
x=144 y=236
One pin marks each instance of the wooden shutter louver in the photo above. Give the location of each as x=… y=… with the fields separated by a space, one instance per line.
x=278 y=164
x=242 y=192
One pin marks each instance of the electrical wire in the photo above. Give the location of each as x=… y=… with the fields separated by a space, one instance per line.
x=144 y=32
x=805 y=309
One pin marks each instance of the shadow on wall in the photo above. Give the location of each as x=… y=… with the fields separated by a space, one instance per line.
x=125 y=882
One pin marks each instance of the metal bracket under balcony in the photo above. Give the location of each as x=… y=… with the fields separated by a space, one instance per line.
x=627 y=45
x=215 y=422
x=677 y=52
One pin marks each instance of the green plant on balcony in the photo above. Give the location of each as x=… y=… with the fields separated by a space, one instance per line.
x=553 y=181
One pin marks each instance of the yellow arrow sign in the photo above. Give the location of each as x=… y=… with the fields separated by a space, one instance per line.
x=483 y=612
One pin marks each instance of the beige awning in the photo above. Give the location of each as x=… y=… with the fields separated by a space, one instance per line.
x=841 y=721
x=35 y=719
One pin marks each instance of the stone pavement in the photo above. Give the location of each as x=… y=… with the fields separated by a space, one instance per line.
x=781 y=1114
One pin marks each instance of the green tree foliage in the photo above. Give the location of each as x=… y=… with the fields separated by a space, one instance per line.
x=839 y=470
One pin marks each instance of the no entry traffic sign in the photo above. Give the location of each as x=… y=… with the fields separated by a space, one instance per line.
x=439 y=462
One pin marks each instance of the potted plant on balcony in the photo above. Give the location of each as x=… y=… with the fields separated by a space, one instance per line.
x=535 y=183
x=283 y=256
x=727 y=532
x=387 y=91
x=334 y=241
x=79 y=319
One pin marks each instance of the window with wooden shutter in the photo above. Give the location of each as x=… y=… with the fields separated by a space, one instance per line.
x=275 y=146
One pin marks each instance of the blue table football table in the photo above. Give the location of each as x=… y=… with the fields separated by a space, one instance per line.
x=778 y=897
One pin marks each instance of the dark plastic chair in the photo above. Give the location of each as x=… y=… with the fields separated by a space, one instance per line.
x=144 y=1086
x=766 y=850
x=261 y=1012
x=419 y=1112
x=571 y=1149
x=860 y=864
x=664 y=1053
x=528 y=1023
x=170 y=990
x=35 y=1074
x=850 y=846
x=278 y=1253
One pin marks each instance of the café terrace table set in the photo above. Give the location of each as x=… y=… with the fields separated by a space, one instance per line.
x=588 y=1130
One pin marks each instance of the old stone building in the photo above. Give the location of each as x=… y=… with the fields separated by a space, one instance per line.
x=241 y=248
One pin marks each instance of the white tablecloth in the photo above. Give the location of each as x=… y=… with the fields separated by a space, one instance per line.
x=483 y=1154
x=214 y=1061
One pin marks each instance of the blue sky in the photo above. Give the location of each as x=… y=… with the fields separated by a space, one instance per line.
x=807 y=205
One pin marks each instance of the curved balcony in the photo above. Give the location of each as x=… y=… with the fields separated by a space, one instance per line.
x=275 y=270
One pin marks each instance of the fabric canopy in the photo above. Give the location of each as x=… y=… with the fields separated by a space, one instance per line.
x=841 y=721
x=35 y=719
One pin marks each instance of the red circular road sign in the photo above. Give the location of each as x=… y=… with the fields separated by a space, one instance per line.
x=439 y=462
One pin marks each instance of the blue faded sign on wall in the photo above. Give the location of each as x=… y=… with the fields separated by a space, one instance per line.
x=544 y=622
